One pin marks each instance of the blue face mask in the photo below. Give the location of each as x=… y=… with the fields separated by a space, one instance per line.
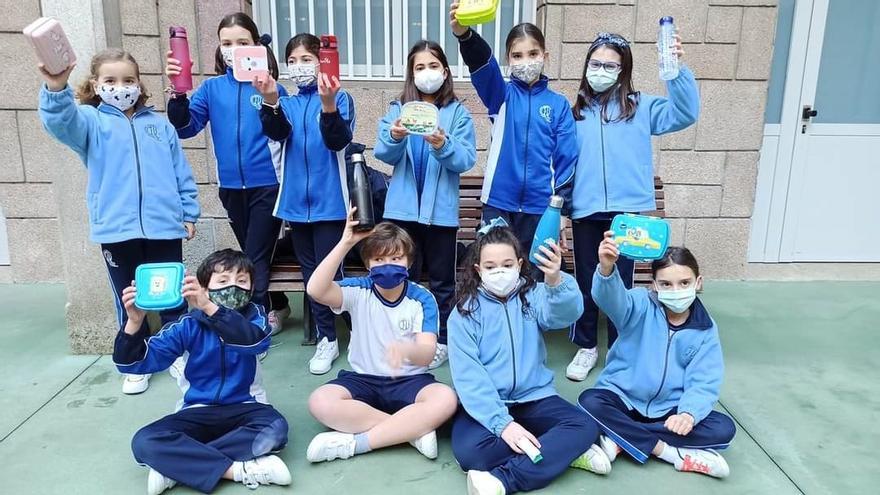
x=388 y=276
x=678 y=301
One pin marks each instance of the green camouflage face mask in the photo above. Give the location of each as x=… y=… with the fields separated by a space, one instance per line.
x=231 y=296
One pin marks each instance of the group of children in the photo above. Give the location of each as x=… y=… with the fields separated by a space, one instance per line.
x=281 y=158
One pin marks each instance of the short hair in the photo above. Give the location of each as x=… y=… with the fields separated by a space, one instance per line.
x=676 y=256
x=222 y=260
x=386 y=239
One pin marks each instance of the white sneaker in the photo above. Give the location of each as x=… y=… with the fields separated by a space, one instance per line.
x=177 y=367
x=276 y=320
x=594 y=460
x=580 y=366
x=156 y=483
x=330 y=445
x=324 y=356
x=441 y=355
x=135 y=384
x=266 y=470
x=702 y=461
x=610 y=447
x=483 y=483
x=426 y=444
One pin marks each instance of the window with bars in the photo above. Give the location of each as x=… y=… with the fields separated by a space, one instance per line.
x=375 y=35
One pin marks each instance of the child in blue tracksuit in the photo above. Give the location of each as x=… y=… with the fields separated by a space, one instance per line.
x=315 y=127
x=615 y=171
x=423 y=195
x=141 y=194
x=223 y=427
x=498 y=362
x=246 y=173
x=533 y=151
x=664 y=373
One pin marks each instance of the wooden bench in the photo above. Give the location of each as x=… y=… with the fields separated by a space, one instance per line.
x=286 y=274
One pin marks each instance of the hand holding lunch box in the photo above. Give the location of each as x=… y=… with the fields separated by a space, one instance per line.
x=640 y=237
x=159 y=286
x=51 y=45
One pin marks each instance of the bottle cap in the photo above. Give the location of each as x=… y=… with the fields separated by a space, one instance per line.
x=666 y=20
x=556 y=201
x=357 y=157
x=177 y=32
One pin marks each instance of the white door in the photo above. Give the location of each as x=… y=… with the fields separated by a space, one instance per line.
x=822 y=202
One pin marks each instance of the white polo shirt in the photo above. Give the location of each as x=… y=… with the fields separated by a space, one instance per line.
x=376 y=323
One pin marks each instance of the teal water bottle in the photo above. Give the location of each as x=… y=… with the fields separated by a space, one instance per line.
x=548 y=227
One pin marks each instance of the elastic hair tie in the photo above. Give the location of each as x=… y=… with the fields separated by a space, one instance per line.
x=265 y=40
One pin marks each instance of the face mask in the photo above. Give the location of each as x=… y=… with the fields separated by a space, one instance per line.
x=233 y=297
x=121 y=97
x=388 y=276
x=600 y=80
x=527 y=72
x=500 y=281
x=429 y=80
x=678 y=301
x=226 y=52
x=303 y=75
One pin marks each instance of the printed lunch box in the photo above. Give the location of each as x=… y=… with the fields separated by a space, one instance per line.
x=640 y=237
x=419 y=117
x=159 y=286
x=473 y=12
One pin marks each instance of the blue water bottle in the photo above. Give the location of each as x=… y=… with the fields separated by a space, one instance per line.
x=548 y=227
x=665 y=42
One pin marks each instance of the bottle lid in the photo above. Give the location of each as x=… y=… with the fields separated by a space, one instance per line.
x=357 y=157
x=556 y=201
x=177 y=32
x=666 y=20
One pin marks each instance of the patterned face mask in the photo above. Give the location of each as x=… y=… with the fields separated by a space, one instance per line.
x=121 y=97
x=233 y=297
x=303 y=75
x=226 y=52
x=527 y=72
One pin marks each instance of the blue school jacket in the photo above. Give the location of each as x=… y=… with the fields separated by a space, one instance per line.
x=497 y=354
x=221 y=363
x=534 y=147
x=438 y=202
x=615 y=168
x=655 y=369
x=244 y=158
x=140 y=185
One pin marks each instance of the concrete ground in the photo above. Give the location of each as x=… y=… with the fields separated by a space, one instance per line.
x=801 y=383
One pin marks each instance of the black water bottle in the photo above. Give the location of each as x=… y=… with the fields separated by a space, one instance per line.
x=362 y=194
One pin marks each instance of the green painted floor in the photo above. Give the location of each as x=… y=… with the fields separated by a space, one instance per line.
x=801 y=382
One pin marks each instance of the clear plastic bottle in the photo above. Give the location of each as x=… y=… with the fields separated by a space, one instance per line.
x=665 y=42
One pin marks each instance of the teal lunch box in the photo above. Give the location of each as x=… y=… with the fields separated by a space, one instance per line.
x=159 y=286
x=640 y=237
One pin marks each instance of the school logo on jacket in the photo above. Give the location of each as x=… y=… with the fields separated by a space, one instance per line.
x=689 y=353
x=546 y=113
x=256 y=101
x=529 y=313
x=153 y=131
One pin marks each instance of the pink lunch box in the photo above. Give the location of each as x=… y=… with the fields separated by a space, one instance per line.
x=50 y=43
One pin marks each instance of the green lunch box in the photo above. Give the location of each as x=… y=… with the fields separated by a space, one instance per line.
x=473 y=12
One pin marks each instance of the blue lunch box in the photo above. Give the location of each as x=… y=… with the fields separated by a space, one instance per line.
x=640 y=237
x=159 y=286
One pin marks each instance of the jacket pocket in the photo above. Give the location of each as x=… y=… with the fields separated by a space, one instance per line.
x=92 y=202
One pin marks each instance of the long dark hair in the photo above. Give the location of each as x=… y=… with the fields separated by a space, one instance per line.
x=243 y=20
x=311 y=43
x=676 y=256
x=621 y=93
x=446 y=94
x=469 y=282
x=521 y=31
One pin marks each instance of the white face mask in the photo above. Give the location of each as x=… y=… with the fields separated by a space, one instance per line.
x=600 y=79
x=429 y=81
x=527 y=72
x=500 y=281
x=678 y=301
x=303 y=74
x=226 y=52
x=121 y=97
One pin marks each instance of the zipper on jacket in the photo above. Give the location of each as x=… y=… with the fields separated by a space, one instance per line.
x=222 y=370
x=522 y=192
x=238 y=135
x=604 y=171
x=137 y=159
x=663 y=378
x=306 y=159
x=512 y=349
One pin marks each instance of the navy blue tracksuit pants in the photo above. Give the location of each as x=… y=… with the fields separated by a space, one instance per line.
x=588 y=234
x=123 y=258
x=436 y=250
x=196 y=446
x=312 y=242
x=564 y=431
x=638 y=435
x=256 y=229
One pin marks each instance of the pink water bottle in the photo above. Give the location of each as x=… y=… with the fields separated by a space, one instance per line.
x=182 y=82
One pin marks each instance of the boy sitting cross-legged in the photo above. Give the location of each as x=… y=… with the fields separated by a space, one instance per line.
x=389 y=398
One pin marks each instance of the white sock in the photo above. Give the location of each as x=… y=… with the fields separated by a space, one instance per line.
x=670 y=455
x=237 y=471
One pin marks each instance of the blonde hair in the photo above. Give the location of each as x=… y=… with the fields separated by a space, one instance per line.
x=85 y=92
